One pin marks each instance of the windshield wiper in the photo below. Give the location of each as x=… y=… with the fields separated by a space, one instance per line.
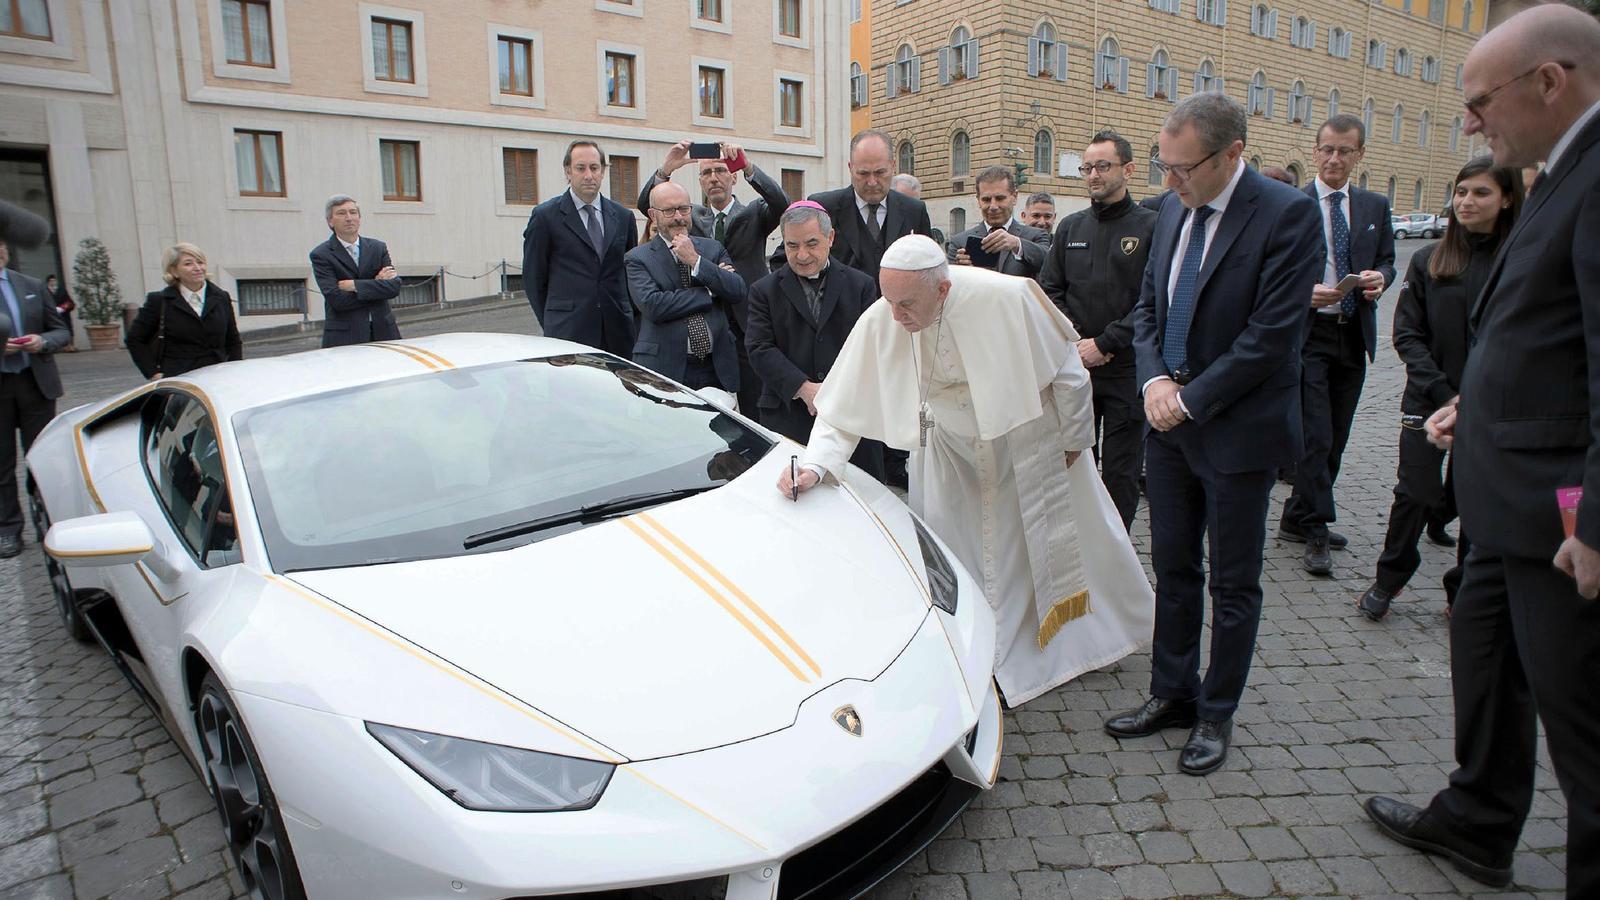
x=594 y=512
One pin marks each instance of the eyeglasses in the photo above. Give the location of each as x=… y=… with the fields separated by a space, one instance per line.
x=1099 y=168
x=1475 y=105
x=1346 y=152
x=1182 y=173
x=673 y=210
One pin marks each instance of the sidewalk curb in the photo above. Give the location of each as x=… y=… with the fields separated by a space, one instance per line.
x=279 y=333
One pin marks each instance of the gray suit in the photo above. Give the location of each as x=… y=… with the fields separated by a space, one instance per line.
x=665 y=305
x=1035 y=248
x=28 y=397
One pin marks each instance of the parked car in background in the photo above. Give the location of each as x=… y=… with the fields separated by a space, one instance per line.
x=1416 y=225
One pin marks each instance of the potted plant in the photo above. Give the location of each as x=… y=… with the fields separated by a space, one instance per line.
x=99 y=297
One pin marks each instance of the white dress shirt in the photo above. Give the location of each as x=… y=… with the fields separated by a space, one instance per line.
x=599 y=215
x=883 y=210
x=353 y=248
x=1330 y=275
x=1571 y=135
x=195 y=299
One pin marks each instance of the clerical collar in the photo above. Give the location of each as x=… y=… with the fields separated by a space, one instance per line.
x=821 y=273
x=1105 y=211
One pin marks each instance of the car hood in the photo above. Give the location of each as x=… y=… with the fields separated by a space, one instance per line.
x=692 y=625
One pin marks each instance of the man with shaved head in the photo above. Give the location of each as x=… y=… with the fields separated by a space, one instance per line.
x=906 y=184
x=1525 y=433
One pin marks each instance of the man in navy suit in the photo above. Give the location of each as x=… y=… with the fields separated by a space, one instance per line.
x=867 y=216
x=1343 y=334
x=356 y=278
x=572 y=255
x=31 y=331
x=1217 y=336
x=685 y=288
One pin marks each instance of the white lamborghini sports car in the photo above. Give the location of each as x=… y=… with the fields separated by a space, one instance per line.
x=489 y=616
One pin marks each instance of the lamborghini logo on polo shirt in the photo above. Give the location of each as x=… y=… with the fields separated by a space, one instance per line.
x=845 y=717
x=1129 y=244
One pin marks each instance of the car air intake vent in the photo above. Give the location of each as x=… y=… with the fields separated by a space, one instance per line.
x=699 y=889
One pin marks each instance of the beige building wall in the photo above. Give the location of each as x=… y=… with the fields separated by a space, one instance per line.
x=1004 y=108
x=136 y=106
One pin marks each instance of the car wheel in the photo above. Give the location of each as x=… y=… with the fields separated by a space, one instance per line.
x=251 y=821
x=60 y=585
x=1401 y=235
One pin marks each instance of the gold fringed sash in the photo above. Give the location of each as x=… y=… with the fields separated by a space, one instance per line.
x=1064 y=611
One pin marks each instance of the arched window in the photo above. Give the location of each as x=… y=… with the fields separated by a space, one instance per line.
x=1111 y=67
x=1367 y=113
x=1374 y=53
x=960 y=155
x=1256 y=102
x=1044 y=152
x=1417 y=203
x=1333 y=103
x=1390 y=192
x=1466 y=15
x=1161 y=79
x=1155 y=179
x=858 y=86
x=1363 y=181
x=959 y=60
x=1336 y=41
x=905 y=74
x=1455 y=134
x=906 y=159
x=1399 y=122
x=1205 y=77
x=1047 y=57
x=1295 y=173
x=1255 y=163
x=1299 y=103
x=1402 y=62
x=1264 y=21
x=1424 y=122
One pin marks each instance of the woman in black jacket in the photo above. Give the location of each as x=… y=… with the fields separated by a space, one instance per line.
x=189 y=324
x=1430 y=334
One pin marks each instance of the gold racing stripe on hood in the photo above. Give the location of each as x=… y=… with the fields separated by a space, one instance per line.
x=678 y=562
x=408 y=353
x=412 y=348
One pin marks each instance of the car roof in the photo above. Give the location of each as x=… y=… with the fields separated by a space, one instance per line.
x=236 y=386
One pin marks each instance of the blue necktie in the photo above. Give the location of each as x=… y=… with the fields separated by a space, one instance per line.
x=1175 y=342
x=1341 y=250
x=12 y=362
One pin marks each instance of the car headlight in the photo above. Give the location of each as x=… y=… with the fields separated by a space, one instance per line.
x=494 y=777
x=941 y=577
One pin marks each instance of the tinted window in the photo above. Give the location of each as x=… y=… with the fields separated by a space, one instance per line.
x=412 y=468
x=184 y=463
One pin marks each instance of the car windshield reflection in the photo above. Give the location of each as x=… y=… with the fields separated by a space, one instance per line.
x=419 y=467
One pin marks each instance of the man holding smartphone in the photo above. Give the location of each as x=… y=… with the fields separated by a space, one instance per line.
x=741 y=228
x=1343 y=334
x=1000 y=242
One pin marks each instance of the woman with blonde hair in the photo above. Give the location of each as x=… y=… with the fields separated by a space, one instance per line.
x=188 y=324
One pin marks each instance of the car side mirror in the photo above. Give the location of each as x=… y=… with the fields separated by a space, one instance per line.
x=108 y=539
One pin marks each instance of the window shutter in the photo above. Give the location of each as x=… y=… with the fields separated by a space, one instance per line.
x=890 y=89
x=944 y=65
x=1311 y=34
x=1222 y=12
x=1061 y=61
x=1222 y=84
x=1272 y=101
x=1255 y=20
x=1272 y=25
x=972 y=58
x=1122 y=74
x=1035 y=56
x=1152 y=77
x=916 y=74
x=1172 y=83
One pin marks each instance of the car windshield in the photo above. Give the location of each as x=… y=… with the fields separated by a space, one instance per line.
x=484 y=458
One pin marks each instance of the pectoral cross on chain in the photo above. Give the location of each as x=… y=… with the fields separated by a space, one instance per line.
x=924 y=425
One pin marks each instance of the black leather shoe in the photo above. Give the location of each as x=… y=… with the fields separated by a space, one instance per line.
x=1156 y=714
x=1439 y=537
x=10 y=545
x=1335 y=540
x=1317 y=560
x=1411 y=826
x=1207 y=748
x=1374 y=604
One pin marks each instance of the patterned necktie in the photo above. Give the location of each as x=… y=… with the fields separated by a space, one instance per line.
x=873 y=231
x=699 y=331
x=1175 y=341
x=591 y=221
x=1341 y=249
x=720 y=232
x=355 y=255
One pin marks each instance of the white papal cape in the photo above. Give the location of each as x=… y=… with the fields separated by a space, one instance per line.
x=1009 y=397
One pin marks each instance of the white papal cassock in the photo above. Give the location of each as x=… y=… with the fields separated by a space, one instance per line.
x=1008 y=397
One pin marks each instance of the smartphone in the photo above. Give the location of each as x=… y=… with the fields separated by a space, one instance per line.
x=1348 y=283
x=978 y=255
x=705 y=151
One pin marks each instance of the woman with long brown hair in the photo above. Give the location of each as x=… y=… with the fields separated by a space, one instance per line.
x=1430 y=334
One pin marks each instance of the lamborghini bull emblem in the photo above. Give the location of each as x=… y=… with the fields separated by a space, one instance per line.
x=1129 y=244
x=845 y=717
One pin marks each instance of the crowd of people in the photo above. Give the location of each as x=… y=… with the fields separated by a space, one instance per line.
x=1198 y=344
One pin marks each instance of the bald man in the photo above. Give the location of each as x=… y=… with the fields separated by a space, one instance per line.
x=906 y=184
x=1525 y=432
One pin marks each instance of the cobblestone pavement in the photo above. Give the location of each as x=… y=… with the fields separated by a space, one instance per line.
x=96 y=801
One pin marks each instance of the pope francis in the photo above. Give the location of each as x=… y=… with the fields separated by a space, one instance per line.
x=977 y=375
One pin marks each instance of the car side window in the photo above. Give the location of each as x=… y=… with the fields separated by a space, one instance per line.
x=184 y=463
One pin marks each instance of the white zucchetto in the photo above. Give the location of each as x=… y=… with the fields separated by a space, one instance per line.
x=913 y=253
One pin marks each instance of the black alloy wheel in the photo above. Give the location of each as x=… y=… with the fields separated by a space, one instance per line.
x=251 y=823
x=60 y=585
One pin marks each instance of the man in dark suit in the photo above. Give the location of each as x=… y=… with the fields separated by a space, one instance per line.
x=572 y=254
x=32 y=330
x=867 y=216
x=1094 y=273
x=1217 y=336
x=1343 y=334
x=356 y=278
x=685 y=288
x=800 y=316
x=1525 y=628
x=1019 y=249
x=741 y=228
